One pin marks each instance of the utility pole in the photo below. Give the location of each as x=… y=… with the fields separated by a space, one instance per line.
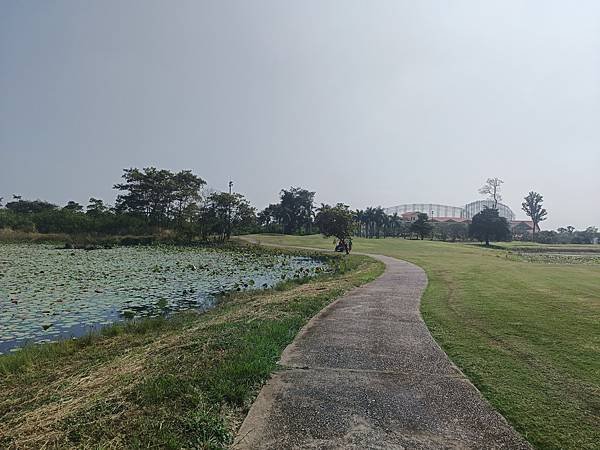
x=229 y=210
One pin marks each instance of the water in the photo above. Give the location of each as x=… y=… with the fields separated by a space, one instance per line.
x=48 y=294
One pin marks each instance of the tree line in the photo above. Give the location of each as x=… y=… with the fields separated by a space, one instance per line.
x=151 y=201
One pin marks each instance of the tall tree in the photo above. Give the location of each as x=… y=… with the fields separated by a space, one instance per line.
x=96 y=207
x=271 y=218
x=226 y=214
x=73 y=206
x=158 y=195
x=491 y=188
x=29 y=206
x=487 y=225
x=422 y=227
x=297 y=210
x=335 y=221
x=185 y=195
x=359 y=218
x=533 y=207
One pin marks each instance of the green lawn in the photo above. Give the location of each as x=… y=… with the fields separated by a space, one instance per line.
x=527 y=334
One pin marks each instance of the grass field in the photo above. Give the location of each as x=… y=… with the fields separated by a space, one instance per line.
x=526 y=334
x=183 y=382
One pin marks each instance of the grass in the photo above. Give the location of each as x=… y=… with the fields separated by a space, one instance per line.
x=8 y=235
x=527 y=334
x=183 y=382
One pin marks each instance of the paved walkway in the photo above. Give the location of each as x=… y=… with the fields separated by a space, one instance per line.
x=366 y=374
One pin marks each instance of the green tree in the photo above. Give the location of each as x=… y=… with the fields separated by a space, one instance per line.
x=335 y=221
x=534 y=209
x=186 y=195
x=73 y=206
x=487 y=225
x=422 y=227
x=29 y=206
x=96 y=207
x=227 y=214
x=158 y=195
x=458 y=231
x=297 y=210
x=271 y=218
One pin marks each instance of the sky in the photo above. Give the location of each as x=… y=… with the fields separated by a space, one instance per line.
x=366 y=103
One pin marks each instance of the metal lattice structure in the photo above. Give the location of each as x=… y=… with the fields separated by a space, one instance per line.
x=477 y=206
x=435 y=210
x=431 y=209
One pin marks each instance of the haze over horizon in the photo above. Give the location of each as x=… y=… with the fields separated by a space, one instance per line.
x=368 y=104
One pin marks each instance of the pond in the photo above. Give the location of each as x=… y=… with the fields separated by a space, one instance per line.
x=47 y=294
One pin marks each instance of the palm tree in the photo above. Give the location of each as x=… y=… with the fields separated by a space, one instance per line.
x=379 y=219
x=359 y=218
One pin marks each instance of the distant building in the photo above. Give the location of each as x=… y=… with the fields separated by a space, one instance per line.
x=457 y=214
x=446 y=213
x=451 y=220
x=410 y=216
x=479 y=205
x=431 y=209
x=521 y=228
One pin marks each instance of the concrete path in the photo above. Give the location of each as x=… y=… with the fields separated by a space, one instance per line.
x=366 y=374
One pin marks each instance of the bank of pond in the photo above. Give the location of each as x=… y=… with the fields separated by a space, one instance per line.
x=48 y=293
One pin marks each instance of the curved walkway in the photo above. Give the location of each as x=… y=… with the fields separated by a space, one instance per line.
x=366 y=373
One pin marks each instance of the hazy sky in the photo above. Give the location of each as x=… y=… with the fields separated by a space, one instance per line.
x=365 y=102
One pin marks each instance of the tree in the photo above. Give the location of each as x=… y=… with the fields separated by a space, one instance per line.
x=533 y=208
x=491 y=188
x=29 y=206
x=145 y=192
x=359 y=215
x=226 y=214
x=450 y=231
x=73 y=206
x=395 y=225
x=546 y=237
x=487 y=225
x=335 y=221
x=160 y=196
x=458 y=231
x=271 y=218
x=422 y=227
x=440 y=231
x=297 y=210
x=185 y=195
x=96 y=207
x=520 y=231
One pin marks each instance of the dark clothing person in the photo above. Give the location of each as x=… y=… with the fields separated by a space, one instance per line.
x=342 y=247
